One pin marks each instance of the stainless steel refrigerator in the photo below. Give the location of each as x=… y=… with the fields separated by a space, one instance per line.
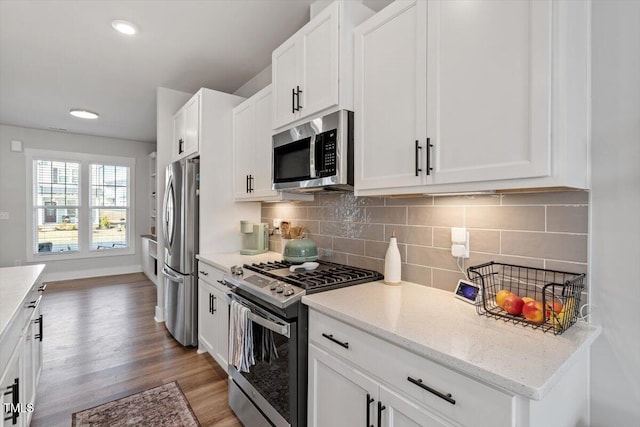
x=180 y=228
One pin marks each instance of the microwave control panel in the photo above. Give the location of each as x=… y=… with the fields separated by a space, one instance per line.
x=325 y=155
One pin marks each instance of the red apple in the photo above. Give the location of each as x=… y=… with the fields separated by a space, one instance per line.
x=533 y=312
x=501 y=295
x=555 y=306
x=513 y=304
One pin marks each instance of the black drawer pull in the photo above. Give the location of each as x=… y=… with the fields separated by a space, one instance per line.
x=14 y=391
x=40 y=322
x=381 y=408
x=369 y=402
x=204 y=273
x=32 y=304
x=221 y=282
x=42 y=287
x=419 y=383
x=340 y=343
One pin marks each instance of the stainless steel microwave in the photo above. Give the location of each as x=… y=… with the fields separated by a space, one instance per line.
x=315 y=156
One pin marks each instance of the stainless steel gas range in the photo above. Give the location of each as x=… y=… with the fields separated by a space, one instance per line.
x=274 y=390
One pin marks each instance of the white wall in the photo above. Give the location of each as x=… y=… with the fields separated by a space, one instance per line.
x=615 y=213
x=257 y=83
x=13 y=199
x=168 y=101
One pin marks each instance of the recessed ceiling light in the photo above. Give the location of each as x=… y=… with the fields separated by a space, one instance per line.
x=83 y=114
x=125 y=27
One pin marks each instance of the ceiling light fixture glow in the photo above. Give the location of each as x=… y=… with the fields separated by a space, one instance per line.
x=83 y=114
x=125 y=27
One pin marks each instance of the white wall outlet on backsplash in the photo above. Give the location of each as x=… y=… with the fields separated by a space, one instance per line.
x=4 y=215
x=459 y=242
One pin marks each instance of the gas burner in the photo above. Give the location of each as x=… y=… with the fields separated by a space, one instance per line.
x=327 y=276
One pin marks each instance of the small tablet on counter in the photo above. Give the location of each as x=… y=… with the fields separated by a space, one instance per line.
x=467 y=291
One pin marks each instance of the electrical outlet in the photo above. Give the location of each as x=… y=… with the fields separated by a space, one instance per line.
x=459 y=242
x=4 y=215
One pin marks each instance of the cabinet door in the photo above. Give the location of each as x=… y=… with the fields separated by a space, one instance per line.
x=207 y=329
x=320 y=53
x=191 y=130
x=262 y=149
x=390 y=97
x=489 y=89
x=8 y=376
x=339 y=395
x=401 y=412
x=244 y=134
x=221 y=314
x=285 y=62
x=179 y=124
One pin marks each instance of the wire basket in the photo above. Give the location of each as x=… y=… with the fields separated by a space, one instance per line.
x=559 y=292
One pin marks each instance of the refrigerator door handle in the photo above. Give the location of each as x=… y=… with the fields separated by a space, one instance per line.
x=171 y=276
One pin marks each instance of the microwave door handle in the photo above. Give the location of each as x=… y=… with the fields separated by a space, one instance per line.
x=312 y=156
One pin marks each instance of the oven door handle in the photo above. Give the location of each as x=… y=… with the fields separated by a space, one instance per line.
x=273 y=326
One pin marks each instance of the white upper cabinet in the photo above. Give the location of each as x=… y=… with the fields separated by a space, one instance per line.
x=454 y=96
x=390 y=96
x=252 y=149
x=313 y=70
x=186 y=135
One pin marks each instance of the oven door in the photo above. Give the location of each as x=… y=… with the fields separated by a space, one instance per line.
x=271 y=383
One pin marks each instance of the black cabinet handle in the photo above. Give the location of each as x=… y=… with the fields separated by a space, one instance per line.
x=381 y=408
x=221 y=282
x=40 y=322
x=298 y=92
x=340 y=343
x=204 y=273
x=418 y=148
x=293 y=101
x=180 y=146
x=42 y=287
x=250 y=184
x=419 y=383
x=32 y=304
x=429 y=145
x=213 y=304
x=14 y=391
x=369 y=402
x=210 y=304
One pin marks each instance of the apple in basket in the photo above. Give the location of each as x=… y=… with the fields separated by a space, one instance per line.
x=513 y=304
x=533 y=312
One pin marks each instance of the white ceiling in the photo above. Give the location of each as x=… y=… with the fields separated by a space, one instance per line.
x=61 y=54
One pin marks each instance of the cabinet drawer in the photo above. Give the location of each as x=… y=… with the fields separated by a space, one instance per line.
x=211 y=275
x=470 y=402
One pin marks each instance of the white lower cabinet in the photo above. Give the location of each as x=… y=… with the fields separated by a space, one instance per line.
x=213 y=314
x=341 y=396
x=346 y=364
x=359 y=379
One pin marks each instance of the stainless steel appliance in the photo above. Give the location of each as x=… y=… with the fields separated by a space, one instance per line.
x=316 y=155
x=274 y=391
x=255 y=238
x=180 y=227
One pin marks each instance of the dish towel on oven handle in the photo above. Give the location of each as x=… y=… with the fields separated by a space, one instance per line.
x=240 y=337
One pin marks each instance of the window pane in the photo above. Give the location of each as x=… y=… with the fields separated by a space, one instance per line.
x=109 y=229
x=109 y=185
x=56 y=183
x=57 y=230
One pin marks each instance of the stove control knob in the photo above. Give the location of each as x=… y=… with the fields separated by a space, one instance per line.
x=273 y=285
x=288 y=291
x=280 y=288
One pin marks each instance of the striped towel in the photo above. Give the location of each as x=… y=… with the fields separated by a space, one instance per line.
x=240 y=337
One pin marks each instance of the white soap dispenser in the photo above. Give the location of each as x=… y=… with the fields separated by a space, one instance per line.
x=392 y=273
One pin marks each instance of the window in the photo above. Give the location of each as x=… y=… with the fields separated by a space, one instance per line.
x=81 y=205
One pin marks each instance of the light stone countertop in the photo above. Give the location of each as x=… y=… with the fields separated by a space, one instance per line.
x=15 y=284
x=434 y=324
x=224 y=261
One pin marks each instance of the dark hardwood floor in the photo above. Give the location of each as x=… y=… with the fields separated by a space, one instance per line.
x=101 y=343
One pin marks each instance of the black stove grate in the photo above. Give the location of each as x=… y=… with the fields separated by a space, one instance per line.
x=330 y=276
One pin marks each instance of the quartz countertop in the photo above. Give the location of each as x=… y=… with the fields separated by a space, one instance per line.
x=225 y=260
x=15 y=284
x=434 y=324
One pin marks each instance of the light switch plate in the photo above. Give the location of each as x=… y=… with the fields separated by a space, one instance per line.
x=16 y=146
x=4 y=215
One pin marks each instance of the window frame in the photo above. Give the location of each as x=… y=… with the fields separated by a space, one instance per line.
x=84 y=207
